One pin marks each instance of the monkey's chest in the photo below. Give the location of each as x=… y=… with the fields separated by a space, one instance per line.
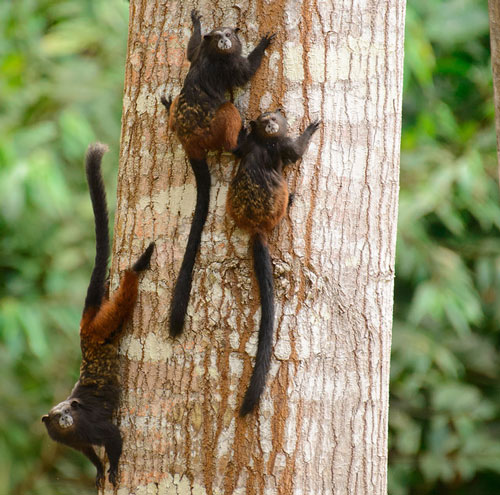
x=257 y=205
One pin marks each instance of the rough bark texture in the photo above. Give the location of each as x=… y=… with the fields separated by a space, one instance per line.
x=494 y=10
x=322 y=424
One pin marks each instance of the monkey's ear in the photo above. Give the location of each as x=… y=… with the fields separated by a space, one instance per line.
x=75 y=403
x=45 y=418
x=252 y=125
x=207 y=36
x=279 y=110
x=237 y=30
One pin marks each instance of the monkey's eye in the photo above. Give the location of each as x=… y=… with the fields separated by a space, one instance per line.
x=74 y=404
x=227 y=33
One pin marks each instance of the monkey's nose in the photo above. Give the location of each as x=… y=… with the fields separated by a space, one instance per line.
x=224 y=43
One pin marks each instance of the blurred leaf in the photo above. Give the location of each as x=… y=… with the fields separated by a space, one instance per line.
x=444 y=370
x=460 y=20
x=62 y=64
x=34 y=332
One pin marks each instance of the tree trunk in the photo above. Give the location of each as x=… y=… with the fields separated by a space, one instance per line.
x=494 y=11
x=322 y=422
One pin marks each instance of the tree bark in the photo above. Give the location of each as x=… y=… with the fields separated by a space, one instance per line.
x=494 y=13
x=322 y=422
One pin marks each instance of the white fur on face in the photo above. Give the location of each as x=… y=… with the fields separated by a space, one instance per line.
x=65 y=421
x=224 y=44
x=64 y=411
x=272 y=127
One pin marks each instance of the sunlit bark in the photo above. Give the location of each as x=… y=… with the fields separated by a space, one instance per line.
x=494 y=9
x=322 y=423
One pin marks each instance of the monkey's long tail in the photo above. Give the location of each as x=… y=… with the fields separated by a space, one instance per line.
x=182 y=288
x=264 y=273
x=95 y=291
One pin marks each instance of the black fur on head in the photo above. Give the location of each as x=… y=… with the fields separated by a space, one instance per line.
x=82 y=415
x=223 y=41
x=270 y=125
x=63 y=422
x=80 y=422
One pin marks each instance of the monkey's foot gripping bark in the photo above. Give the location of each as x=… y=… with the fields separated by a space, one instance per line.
x=143 y=262
x=166 y=103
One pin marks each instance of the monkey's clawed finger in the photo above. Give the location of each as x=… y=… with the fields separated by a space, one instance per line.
x=99 y=480
x=268 y=38
x=195 y=16
x=112 y=474
x=313 y=126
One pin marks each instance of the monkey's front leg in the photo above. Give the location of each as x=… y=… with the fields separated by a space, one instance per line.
x=242 y=136
x=113 y=446
x=255 y=58
x=294 y=149
x=89 y=451
x=195 y=40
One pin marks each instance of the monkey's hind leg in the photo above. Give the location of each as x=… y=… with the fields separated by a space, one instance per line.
x=167 y=103
x=89 y=451
x=170 y=106
x=116 y=310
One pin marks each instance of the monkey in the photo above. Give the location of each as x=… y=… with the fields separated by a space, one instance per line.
x=84 y=418
x=257 y=200
x=204 y=120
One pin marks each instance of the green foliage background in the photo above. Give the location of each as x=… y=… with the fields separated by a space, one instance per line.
x=445 y=393
x=62 y=67
x=61 y=82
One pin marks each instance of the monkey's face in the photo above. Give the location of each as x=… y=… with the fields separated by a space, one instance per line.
x=271 y=125
x=224 y=40
x=62 y=418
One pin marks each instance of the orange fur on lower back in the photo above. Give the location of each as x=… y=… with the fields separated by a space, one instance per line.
x=112 y=313
x=226 y=126
x=256 y=210
x=220 y=134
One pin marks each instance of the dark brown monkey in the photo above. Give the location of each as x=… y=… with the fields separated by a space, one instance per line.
x=204 y=120
x=84 y=418
x=257 y=201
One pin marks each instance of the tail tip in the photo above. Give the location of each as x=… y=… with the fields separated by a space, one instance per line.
x=251 y=399
x=97 y=149
x=249 y=404
x=176 y=324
